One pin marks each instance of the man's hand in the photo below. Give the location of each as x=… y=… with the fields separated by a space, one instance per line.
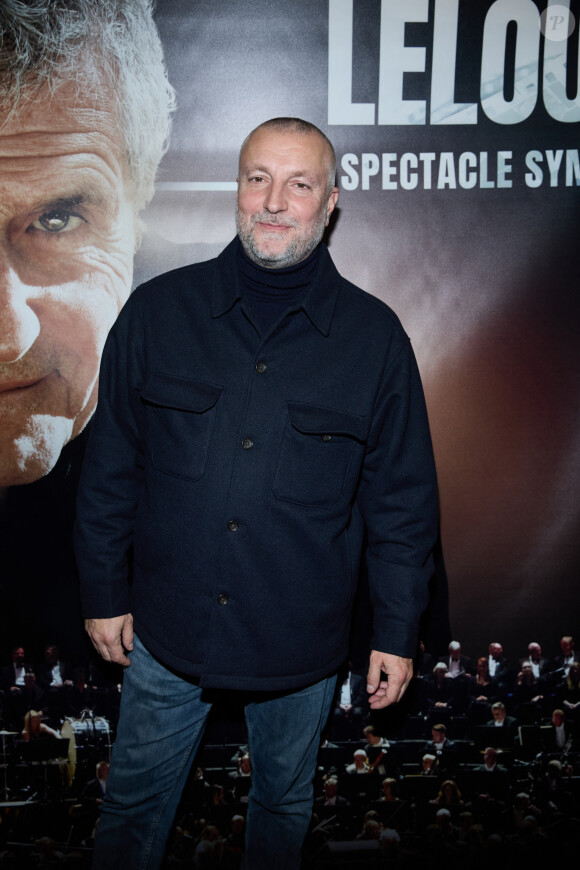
x=111 y=637
x=398 y=671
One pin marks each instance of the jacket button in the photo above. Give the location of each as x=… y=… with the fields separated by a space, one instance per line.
x=223 y=598
x=261 y=367
x=233 y=526
x=247 y=443
x=326 y=437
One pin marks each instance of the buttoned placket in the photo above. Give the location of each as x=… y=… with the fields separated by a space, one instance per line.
x=265 y=375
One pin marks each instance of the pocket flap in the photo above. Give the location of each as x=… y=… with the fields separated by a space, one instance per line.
x=182 y=394
x=312 y=420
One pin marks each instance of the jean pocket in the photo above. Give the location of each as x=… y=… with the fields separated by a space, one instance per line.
x=318 y=449
x=182 y=414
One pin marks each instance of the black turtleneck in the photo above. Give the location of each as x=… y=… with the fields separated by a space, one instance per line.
x=268 y=293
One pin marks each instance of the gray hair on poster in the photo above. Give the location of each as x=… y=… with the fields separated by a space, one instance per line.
x=114 y=43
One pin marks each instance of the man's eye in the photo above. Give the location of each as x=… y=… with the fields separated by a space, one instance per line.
x=57 y=221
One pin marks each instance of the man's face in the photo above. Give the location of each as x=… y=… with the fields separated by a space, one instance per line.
x=18 y=655
x=498 y=714
x=567 y=646
x=495 y=650
x=67 y=237
x=557 y=719
x=51 y=655
x=535 y=651
x=330 y=789
x=437 y=736
x=283 y=205
x=489 y=757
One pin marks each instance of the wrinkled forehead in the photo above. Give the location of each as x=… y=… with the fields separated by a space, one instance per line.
x=61 y=109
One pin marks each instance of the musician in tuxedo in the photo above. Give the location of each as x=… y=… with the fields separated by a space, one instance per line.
x=500 y=719
x=442 y=748
x=351 y=694
x=498 y=665
x=96 y=788
x=12 y=675
x=561 y=663
x=491 y=778
x=540 y=664
x=429 y=764
x=330 y=798
x=376 y=749
x=528 y=695
x=458 y=664
x=53 y=672
x=437 y=692
x=567 y=694
x=55 y=677
x=360 y=762
x=559 y=736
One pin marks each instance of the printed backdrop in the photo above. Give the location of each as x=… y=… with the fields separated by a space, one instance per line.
x=456 y=129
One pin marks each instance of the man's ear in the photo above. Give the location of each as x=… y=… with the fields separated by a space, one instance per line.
x=332 y=200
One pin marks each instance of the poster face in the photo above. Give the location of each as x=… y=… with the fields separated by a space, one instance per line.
x=456 y=131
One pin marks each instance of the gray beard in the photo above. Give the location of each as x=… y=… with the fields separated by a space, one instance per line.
x=297 y=250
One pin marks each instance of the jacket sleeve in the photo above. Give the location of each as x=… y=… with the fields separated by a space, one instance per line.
x=399 y=504
x=112 y=474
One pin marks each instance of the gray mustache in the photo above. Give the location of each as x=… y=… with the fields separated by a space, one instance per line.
x=266 y=219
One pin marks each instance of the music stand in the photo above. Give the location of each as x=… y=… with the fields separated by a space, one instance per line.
x=43 y=751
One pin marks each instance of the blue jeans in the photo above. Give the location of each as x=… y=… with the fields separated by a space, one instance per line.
x=160 y=728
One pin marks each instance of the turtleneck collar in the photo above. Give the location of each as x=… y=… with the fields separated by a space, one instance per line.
x=318 y=302
x=287 y=281
x=267 y=292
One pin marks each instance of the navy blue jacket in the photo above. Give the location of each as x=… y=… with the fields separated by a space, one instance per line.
x=229 y=478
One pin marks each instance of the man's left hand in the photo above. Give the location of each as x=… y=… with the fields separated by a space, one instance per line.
x=398 y=673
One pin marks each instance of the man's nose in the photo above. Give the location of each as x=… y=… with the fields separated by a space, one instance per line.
x=276 y=199
x=19 y=325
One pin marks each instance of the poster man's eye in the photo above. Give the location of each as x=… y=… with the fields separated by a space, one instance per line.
x=57 y=221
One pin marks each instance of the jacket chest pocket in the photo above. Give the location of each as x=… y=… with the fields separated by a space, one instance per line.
x=319 y=447
x=182 y=415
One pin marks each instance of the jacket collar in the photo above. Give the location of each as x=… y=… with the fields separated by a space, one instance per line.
x=318 y=303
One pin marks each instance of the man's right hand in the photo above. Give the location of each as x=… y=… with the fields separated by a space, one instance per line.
x=111 y=637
